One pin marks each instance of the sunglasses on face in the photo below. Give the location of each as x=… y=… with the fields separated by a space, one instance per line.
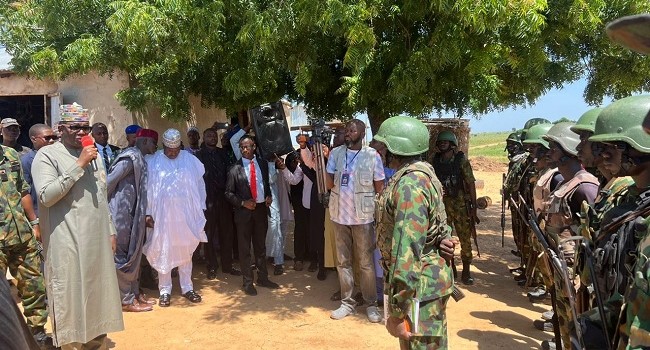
x=49 y=137
x=599 y=147
x=78 y=128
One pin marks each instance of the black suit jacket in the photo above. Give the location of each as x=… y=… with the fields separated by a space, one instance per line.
x=238 y=189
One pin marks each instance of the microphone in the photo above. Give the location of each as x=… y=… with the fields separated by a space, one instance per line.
x=89 y=141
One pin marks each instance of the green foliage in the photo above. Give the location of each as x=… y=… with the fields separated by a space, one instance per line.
x=564 y=119
x=339 y=57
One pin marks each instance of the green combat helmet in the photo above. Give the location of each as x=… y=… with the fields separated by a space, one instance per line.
x=535 y=121
x=621 y=121
x=514 y=137
x=561 y=134
x=447 y=136
x=535 y=134
x=404 y=136
x=587 y=121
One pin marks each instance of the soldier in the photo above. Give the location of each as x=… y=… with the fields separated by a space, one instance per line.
x=633 y=32
x=624 y=227
x=414 y=239
x=10 y=131
x=548 y=177
x=525 y=184
x=516 y=168
x=584 y=127
x=515 y=148
x=19 y=247
x=562 y=219
x=455 y=174
x=612 y=186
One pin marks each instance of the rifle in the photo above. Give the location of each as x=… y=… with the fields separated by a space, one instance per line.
x=558 y=264
x=473 y=221
x=503 y=210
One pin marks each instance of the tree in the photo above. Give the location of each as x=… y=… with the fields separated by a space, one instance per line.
x=339 y=57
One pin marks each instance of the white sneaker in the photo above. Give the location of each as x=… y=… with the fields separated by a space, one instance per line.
x=373 y=314
x=341 y=312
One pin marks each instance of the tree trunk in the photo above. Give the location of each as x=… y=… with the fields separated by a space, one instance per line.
x=376 y=118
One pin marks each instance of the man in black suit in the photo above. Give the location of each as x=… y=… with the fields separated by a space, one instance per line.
x=106 y=151
x=248 y=190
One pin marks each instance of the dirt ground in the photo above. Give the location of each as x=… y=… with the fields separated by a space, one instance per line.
x=494 y=315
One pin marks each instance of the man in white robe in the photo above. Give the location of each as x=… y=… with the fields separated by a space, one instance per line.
x=176 y=201
x=79 y=238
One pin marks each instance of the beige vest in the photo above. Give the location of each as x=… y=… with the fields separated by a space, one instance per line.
x=364 y=188
x=559 y=219
x=542 y=190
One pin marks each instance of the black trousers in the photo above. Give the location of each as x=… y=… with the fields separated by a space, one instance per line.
x=253 y=230
x=317 y=231
x=220 y=231
x=300 y=232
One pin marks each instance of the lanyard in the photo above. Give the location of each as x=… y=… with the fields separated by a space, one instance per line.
x=351 y=160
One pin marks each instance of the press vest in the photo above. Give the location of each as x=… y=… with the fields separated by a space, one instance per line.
x=363 y=177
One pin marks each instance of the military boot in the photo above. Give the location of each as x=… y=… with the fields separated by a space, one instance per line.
x=465 y=277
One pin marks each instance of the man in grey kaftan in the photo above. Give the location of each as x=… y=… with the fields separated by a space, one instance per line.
x=127 y=200
x=83 y=296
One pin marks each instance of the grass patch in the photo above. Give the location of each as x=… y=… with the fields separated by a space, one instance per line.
x=489 y=145
x=487 y=138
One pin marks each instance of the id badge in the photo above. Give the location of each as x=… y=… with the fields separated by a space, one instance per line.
x=345 y=178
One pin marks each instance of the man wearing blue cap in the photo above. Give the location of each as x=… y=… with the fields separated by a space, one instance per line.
x=131 y=132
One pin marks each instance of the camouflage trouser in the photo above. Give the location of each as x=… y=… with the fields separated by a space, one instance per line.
x=563 y=311
x=433 y=320
x=517 y=225
x=458 y=218
x=24 y=263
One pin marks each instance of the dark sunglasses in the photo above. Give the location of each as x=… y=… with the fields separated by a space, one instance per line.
x=77 y=128
x=599 y=147
x=50 y=137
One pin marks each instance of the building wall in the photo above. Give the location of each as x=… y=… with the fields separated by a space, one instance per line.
x=97 y=93
x=12 y=84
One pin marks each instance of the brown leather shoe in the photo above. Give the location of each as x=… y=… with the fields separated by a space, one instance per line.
x=136 y=307
x=144 y=300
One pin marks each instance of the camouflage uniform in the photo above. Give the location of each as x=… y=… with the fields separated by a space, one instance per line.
x=455 y=175
x=516 y=170
x=635 y=333
x=619 y=243
x=19 y=250
x=592 y=216
x=411 y=223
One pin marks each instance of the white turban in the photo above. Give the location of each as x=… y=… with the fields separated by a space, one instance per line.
x=171 y=138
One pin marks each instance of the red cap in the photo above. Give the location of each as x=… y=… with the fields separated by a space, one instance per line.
x=147 y=133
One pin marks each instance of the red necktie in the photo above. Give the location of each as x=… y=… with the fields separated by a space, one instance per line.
x=253 y=182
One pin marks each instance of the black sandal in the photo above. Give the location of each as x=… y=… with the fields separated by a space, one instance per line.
x=165 y=300
x=192 y=296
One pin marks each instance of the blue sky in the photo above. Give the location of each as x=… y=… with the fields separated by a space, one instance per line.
x=557 y=103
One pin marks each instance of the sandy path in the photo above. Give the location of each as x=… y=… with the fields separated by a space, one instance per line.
x=494 y=315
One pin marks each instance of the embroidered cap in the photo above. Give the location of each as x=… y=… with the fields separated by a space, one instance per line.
x=74 y=113
x=171 y=138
